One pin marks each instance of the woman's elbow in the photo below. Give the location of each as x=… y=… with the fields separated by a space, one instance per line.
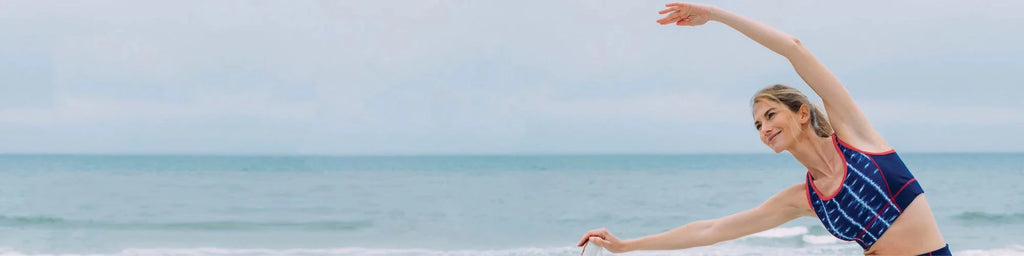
x=710 y=234
x=793 y=48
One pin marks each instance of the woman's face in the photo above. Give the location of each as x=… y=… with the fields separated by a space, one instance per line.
x=776 y=124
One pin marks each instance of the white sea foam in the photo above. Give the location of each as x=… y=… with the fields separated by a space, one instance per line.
x=721 y=249
x=1016 y=250
x=826 y=239
x=799 y=231
x=9 y=252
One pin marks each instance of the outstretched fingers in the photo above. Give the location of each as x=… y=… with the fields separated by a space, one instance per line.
x=599 y=241
x=667 y=10
x=590 y=235
x=679 y=13
x=671 y=18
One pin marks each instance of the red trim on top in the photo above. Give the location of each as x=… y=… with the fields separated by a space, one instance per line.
x=879 y=167
x=890 y=151
x=891 y=197
x=887 y=190
x=878 y=214
x=904 y=186
x=808 y=181
x=840 y=187
x=901 y=191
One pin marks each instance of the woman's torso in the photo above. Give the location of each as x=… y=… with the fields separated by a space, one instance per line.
x=876 y=202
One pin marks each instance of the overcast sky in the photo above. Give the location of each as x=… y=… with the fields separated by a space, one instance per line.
x=486 y=77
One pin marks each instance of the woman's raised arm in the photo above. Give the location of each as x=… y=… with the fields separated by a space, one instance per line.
x=843 y=113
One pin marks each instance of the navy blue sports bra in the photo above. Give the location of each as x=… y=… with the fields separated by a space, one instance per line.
x=876 y=188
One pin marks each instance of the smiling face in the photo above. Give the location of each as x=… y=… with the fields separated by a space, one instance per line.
x=784 y=117
x=778 y=126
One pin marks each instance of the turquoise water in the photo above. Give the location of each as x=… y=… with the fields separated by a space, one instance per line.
x=451 y=205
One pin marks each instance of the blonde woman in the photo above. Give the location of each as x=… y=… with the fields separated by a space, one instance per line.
x=856 y=184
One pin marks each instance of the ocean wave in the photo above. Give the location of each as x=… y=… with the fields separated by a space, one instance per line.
x=1016 y=250
x=825 y=239
x=559 y=251
x=795 y=235
x=58 y=223
x=30 y=220
x=722 y=249
x=990 y=218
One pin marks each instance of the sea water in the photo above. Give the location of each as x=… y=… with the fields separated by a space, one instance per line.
x=452 y=205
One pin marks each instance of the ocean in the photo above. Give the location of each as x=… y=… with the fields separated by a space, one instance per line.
x=451 y=205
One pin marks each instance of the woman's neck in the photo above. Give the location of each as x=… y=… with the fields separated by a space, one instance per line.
x=818 y=155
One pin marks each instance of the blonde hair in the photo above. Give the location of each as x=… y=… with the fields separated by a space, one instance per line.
x=794 y=99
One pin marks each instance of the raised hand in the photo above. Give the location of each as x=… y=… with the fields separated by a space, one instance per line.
x=685 y=14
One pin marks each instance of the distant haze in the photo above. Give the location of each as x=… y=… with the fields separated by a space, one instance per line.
x=486 y=77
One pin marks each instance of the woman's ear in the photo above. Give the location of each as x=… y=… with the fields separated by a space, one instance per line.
x=804 y=114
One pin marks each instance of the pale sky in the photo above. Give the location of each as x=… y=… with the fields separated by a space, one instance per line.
x=487 y=77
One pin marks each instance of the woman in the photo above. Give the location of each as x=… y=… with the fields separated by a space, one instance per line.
x=856 y=184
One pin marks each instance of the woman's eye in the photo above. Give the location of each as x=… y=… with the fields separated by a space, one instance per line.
x=758 y=127
x=770 y=115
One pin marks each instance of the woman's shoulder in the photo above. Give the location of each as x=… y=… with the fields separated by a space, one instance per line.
x=872 y=144
x=795 y=196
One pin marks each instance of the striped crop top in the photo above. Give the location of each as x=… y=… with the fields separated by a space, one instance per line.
x=876 y=188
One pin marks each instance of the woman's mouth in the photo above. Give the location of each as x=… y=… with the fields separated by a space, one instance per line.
x=772 y=137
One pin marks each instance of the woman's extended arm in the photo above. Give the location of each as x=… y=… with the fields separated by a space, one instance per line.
x=843 y=113
x=787 y=205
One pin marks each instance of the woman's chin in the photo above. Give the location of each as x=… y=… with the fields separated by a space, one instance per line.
x=777 y=147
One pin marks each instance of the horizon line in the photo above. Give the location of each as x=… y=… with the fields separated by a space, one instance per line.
x=445 y=154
